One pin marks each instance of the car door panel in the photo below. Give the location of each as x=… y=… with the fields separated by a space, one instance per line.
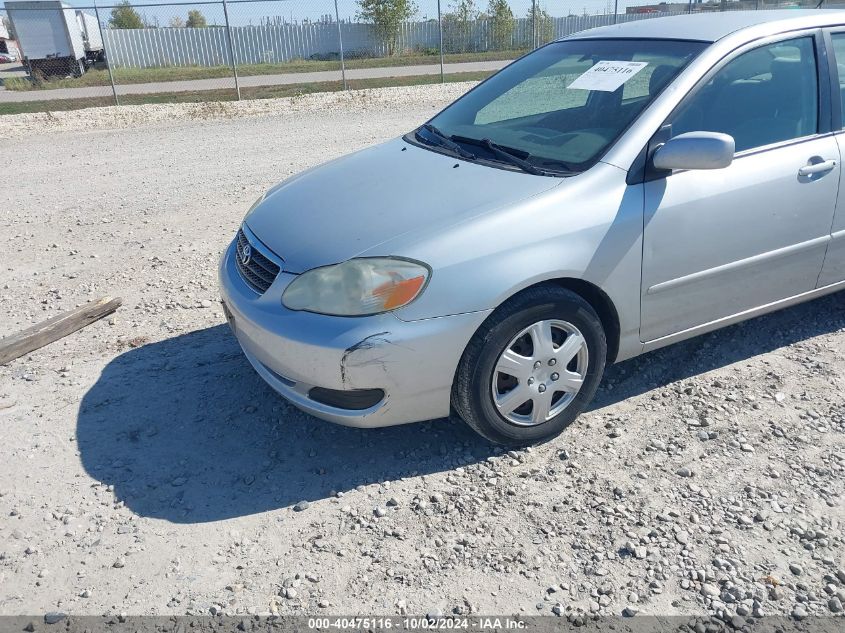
x=719 y=242
x=833 y=270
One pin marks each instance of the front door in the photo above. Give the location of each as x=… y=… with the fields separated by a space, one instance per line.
x=717 y=243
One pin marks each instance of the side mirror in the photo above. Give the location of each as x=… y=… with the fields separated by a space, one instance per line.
x=695 y=150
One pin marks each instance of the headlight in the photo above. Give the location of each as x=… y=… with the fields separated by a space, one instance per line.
x=357 y=287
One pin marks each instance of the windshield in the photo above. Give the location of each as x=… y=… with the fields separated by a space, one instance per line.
x=560 y=107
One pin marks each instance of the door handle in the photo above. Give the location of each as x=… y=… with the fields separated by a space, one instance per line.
x=817 y=168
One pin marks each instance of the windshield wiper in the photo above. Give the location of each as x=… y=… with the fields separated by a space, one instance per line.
x=506 y=154
x=444 y=140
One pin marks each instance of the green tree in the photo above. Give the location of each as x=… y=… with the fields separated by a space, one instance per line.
x=387 y=17
x=196 y=20
x=124 y=16
x=457 y=26
x=501 y=16
x=542 y=24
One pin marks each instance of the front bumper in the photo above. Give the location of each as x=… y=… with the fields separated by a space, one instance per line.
x=413 y=362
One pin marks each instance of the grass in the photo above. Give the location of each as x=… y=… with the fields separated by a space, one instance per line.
x=261 y=92
x=100 y=77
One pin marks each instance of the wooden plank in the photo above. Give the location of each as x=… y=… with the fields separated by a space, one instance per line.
x=46 y=332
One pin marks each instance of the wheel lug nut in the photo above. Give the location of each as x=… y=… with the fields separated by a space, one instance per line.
x=552 y=362
x=537 y=365
x=530 y=381
x=541 y=388
x=555 y=376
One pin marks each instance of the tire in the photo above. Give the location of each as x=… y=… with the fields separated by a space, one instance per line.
x=516 y=327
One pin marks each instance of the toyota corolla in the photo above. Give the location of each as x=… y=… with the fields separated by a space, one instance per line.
x=613 y=192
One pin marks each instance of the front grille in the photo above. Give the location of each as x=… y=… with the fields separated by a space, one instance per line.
x=259 y=272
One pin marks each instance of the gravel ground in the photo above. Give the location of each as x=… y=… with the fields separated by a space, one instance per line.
x=146 y=469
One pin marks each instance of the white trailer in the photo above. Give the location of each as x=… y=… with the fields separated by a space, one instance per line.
x=91 y=35
x=52 y=38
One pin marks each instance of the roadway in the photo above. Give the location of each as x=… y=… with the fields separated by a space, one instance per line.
x=252 y=81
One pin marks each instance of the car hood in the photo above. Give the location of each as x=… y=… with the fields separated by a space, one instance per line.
x=353 y=204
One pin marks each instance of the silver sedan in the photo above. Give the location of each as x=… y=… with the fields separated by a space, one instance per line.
x=606 y=195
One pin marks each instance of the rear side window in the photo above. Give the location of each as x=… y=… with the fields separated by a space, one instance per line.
x=839 y=53
x=764 y=96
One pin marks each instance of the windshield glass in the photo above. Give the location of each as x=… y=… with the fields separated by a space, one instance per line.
x=559 y=108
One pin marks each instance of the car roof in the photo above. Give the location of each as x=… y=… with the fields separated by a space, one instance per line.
x=713 y=26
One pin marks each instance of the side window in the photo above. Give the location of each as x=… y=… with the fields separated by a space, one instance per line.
x=764 y=96
x=839 y=52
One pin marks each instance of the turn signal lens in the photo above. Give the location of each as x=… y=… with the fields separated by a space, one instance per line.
x=357 y=287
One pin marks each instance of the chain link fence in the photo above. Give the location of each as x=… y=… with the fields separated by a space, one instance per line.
x=55 y=55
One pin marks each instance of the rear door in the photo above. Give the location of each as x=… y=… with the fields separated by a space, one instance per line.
x=717 y=243
x=834 y=264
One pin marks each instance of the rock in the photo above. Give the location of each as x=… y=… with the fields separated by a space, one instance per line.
x=799 y=612
x=380 y=512
x=51 y=617
x=119 y=563
x=302 y=505
x=30 y=627
x=835 y=605
x=630 y=611
x=682 y=537
x=795 y=569
x=392 y=502
x=434 y=614
x=684 y=472
x=709 y=590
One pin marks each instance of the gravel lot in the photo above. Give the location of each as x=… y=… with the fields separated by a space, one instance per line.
x=146 y=469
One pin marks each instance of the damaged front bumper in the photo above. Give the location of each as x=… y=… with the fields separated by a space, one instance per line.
x=400 y=371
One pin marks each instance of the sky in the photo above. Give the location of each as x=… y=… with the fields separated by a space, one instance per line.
x=241 y=13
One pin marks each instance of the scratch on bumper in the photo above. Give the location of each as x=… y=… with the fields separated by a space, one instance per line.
x=368 y=343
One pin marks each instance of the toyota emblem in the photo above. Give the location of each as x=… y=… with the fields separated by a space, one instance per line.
x=246 y=254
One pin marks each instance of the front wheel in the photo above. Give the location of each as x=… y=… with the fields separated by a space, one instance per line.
x=532 y=367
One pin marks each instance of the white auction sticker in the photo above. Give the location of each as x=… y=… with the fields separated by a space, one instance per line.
x=607 y=76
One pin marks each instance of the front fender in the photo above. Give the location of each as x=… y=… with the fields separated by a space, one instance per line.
x=590 y=228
